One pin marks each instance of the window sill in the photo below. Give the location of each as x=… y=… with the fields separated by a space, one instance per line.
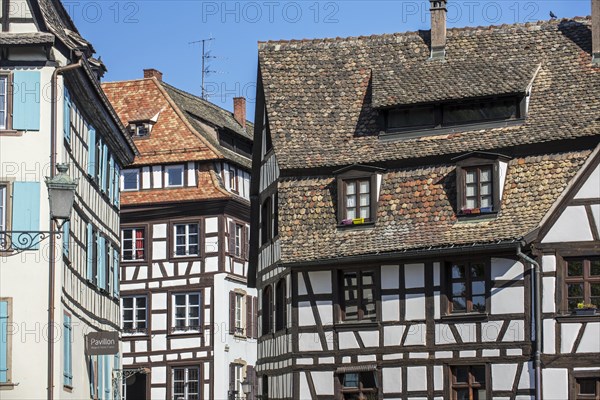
x=8 y=385
x=474 y=316
x=68 y=388
x=10 y=132
x=131 y=333
x=369 y=224
x=569 y=318
x=194 y=332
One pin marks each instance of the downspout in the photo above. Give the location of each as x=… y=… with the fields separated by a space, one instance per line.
x=537 y=310
x=52 y=249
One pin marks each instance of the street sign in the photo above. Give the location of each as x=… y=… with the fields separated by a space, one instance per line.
x=102 y=343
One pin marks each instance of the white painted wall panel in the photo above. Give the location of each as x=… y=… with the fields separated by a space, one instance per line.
x=392 y=335
x=415 y=307
x=159 y=393
x=548 y=287
x=211 y=264
x=370 y=338
x=515 y=331
x=590 y=341
x=556 y=384
x=157 y=176
x=596 y=215
x=436 y=305
x=503 y=376
x=159 y=322
x=185 y=343
x=159 y=375
x=414 y=275
x=527 y=380
x=390 y=308
x=159 y=301
x=436 y=273
x=390 y=276
x=443 y=334
x=507 y=300
x=301 y=285
x=548 y=344
x=416 y=378
x=323 y=381
x=309 y=342
x=211 y=225
x=392 y=380
x=325 y=309
x=347 y=340
x=159 y=231
x=548 y=263
x=569 y=334
x=591 y=187
x=212 y=244
x=146 y=178
x=191 y=174
x=438 y=377
x=506 y=269
x=571 y=226
x=416 y=335
x=467 y=332
x=305 y=314
x=320 y=281
x=304 y=388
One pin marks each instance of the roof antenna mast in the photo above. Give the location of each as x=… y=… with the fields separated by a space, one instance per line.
x=205 y=68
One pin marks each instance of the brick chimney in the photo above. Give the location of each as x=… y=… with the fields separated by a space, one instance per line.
x=438 y=29
x=239 y=110
x=596 y=32
x=153 y=73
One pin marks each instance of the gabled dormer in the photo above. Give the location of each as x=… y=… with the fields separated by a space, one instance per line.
x=480 y=181
x=358 y=192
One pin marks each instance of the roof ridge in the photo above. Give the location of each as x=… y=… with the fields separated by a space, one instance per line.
x=517 y=25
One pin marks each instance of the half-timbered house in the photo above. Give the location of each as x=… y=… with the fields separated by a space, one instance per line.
x=53 y=111
x=188 y=315
x=427 y=213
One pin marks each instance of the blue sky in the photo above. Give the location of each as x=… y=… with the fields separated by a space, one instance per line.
x=133 y=35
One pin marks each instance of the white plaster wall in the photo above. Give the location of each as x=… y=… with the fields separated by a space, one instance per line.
x=507 y=300
x=390 y=308
x=416 y=335
x=392 y=380
x=548 y=288
x=320 y=282
x=416 y=378
x=390 y=276
x=555 y=384
x=157 y=176
x=568 y=335
x=506 y=269
x=323 y=381
x=590 y=341
x=414 y=275
x=503 y=376
x=571 y=226
x=548 y=345
x=591 y=187
x=415 y=307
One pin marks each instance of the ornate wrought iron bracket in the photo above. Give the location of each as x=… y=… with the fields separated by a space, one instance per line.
x=16 y=242
x=120 y=376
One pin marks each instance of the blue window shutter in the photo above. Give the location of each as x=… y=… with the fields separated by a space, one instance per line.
x=116 y=273
x=100 y=377
x=103 y=165
x=3 y=341
x=67 y=116
x=90 y=252
x=101 y=257
x=92 y=378
x=26 y=100
x=111 y=177
x=68 y=369
x=26 y=209
x=91 y=151
x=99 y=161
x=66 y=236
x=117 y=189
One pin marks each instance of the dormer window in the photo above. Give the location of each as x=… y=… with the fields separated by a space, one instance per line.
x=358 y=191
x=140 y=129
x=174 y=175
x=453 y=116
x=479 y=183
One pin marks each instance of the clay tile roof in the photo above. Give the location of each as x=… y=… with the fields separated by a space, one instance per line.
x=321 y=95
x=417 y=210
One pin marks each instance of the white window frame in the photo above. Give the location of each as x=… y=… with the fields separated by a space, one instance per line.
x=188 y=306
x=134 y=309
x=4 y=81
x=186 y=383
x=137 y=179
x=187 y=243
x=239 y=378
x=239 y=237
x=240 y=312
x=134 y=248
x=169 y=169
x=3 y=208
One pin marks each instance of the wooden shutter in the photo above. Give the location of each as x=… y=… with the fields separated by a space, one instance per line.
x=91 y=151
x=246 y=254
x=103 y=166
x=116 y=272
x=255 y=318
x=26 y=210
x=251 y=377
x=111 y=176
x=231 y=238
x=117 y=188
x=26 y=100
x=232 y=312
x=3 y=341
x=249 y=319
x=231 y=377
x=92 y=378
x=90 y=252
x=67 y=117
x=67 y=365
x=100 y=261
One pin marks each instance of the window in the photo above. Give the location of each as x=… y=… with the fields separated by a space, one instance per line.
x=239 y=313
x=186 y=312
x=357 y=302
x=587 y=388
x=280 y=306
x=134 y=314
x=92 y=254
x=186 y=383
x=267 y=310
x=236 y=377
x=174 y=175
x=5 y=102
x=467 y=291
x=186 y=240
x=438 y=116
x=357 y=205
x=131 y=179
x=140 y=129
x=67 y=353
x=66 y=237
x=233 y=179
x=242 y=314
x=478 y=189
x=357 y=194
x=238 y=240
x=133 y=243
x=5 y=340
x=358 y=385
x=468 y=382
x=266 y=221
x=582 y=281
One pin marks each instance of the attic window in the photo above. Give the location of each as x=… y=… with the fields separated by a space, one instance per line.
x=479 y=182
x=140 y=129
x=357 y=195
x=468 y=114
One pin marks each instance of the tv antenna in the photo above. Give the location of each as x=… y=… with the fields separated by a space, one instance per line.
x=205 y=68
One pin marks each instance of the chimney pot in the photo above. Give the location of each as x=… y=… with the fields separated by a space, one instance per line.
x=438 y=29
x=596 y=32
x=153 y=73
x=239 y=110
